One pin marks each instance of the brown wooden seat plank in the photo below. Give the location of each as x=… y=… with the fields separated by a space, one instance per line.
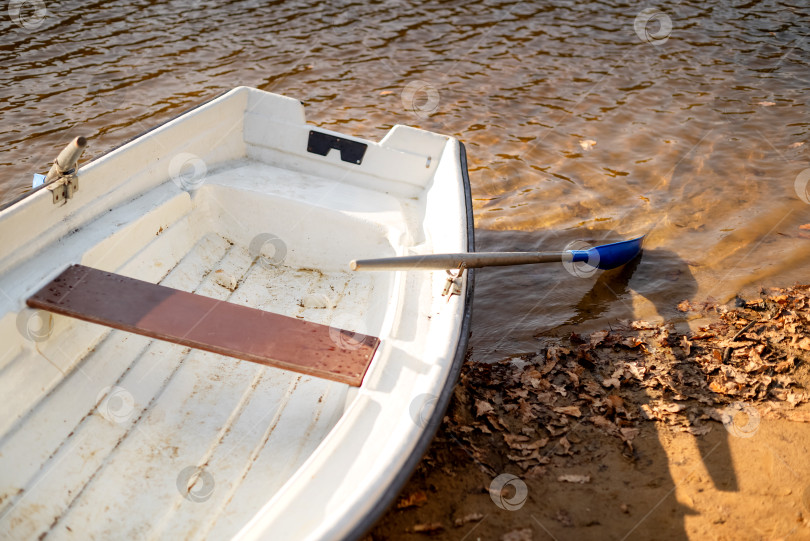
x=209 y=324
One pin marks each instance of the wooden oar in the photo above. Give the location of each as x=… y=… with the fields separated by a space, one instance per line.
x=607 y=256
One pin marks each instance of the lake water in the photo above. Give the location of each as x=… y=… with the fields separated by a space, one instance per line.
x=584 y=122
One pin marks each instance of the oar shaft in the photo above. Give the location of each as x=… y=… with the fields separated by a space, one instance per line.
x=468 y=260
x=607 y=256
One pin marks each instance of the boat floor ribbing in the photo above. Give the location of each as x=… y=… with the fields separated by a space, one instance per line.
x=88 y=444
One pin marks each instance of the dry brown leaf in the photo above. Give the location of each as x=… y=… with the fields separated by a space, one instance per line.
x=611 y=382
x=794 y=399
x=785 y=365
x=686 y=345
x=548 y=366
x=798 y=416
x=472 y=517
x=536 y=472
x=565 y=444
x=482 y=408
x=530 y=459
x=430 y=528
x=603 y=423
x=642 y=325
x=529 y=446
x=573 y=411
x=496 y=422
x=735 y=344
x=631 y=342
x=574 y=478
x=514 y=439
x=614 y=401
x=526 y=413
x=634 y=370
x=804 y=343
x=532 y=376
x=673 y=408
x=597 y=337
x=415 y=499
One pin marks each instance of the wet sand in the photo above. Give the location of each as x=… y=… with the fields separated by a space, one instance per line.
x=675 y=490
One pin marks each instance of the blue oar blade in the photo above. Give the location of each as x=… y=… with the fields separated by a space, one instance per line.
x=614 y=255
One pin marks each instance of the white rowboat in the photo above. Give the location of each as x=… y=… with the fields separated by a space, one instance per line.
x=131 y=410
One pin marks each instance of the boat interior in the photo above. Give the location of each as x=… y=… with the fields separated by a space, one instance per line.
x=104 y=426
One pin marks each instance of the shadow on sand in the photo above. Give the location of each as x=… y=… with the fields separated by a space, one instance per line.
x=517 y=308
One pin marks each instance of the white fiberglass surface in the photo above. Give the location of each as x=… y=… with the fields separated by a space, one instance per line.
x=118 y=435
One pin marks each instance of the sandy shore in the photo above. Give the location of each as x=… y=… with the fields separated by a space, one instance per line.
x=637 y=432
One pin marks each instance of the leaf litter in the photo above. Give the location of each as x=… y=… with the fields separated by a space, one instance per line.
x=527 y=409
